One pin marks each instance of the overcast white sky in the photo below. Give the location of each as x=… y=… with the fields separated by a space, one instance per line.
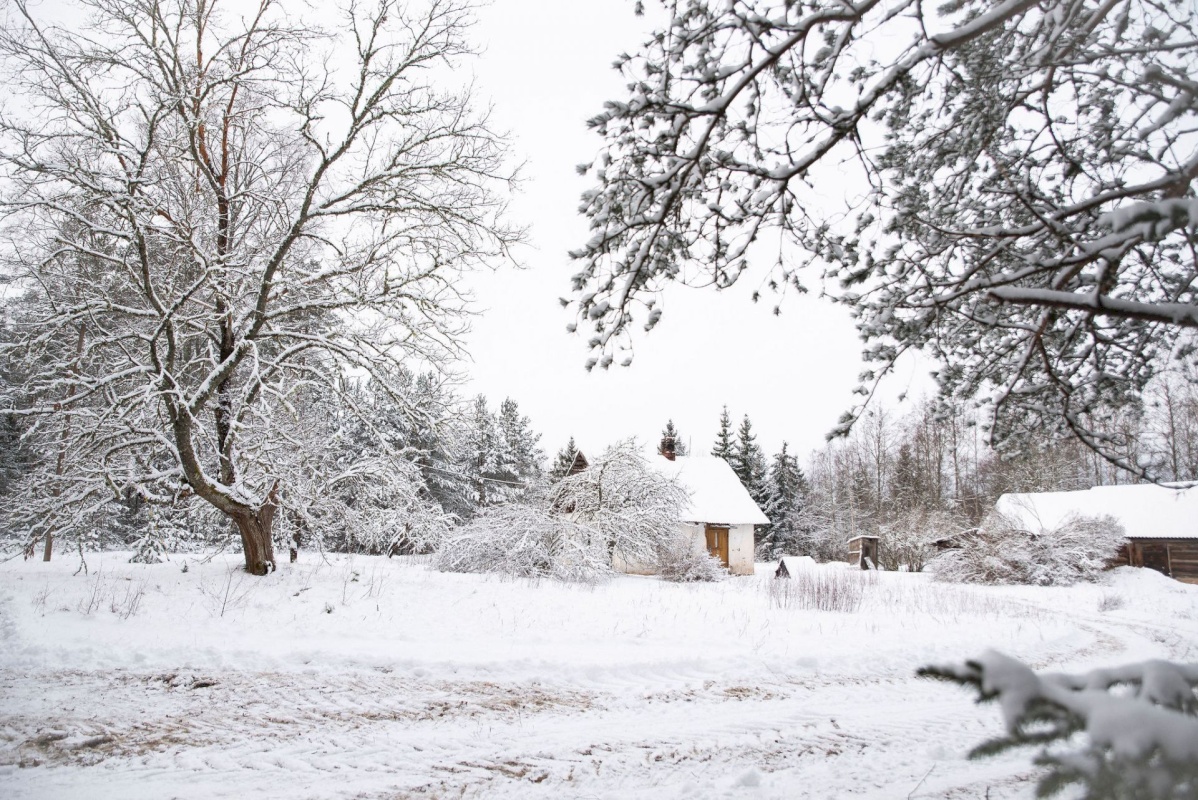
x=547 y=68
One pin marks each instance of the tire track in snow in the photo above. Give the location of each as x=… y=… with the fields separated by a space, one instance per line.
x=472 y=737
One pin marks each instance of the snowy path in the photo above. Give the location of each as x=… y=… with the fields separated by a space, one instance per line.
x=380 y=735
x=640 y=723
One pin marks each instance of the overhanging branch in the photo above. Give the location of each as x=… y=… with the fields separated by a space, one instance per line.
x=1182 y=314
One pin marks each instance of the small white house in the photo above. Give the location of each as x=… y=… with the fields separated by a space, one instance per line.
x=721 y=514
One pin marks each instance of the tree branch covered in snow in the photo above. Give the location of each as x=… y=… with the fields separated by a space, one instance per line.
x=528 y=541
x=1011 y=188
x=1139 y=734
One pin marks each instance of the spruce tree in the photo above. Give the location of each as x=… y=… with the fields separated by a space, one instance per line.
x=672 y=432
x=521 y=458
x=483 y=451
x=437 y=437
x=563 y=462
x=748 y=462
x=723 y=438
x=786 y=498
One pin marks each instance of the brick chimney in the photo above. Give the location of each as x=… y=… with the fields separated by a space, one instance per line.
x=667 y=447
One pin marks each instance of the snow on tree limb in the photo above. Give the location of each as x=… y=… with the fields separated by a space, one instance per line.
x=1138 y=744
x=1013 y=160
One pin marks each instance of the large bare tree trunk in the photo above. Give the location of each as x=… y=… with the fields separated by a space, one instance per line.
x=256 y=540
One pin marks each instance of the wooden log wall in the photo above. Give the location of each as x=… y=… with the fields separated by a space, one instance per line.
x=1177 y=558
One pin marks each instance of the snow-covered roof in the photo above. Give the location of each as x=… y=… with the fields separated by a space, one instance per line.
x=1147 y=511
x=717 y=495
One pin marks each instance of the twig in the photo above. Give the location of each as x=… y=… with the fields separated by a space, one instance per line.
x=921 y=780
x=82 y=560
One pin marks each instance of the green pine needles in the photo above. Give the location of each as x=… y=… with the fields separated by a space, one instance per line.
x=1123 y=733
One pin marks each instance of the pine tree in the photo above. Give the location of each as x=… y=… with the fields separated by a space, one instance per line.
x=437 y=435
x=563 y=462
x=520 y=464
x=503 y=458
x=748 y=462
x=483 y=451
x=786 y=500
x=723 y=438
x=672 y=432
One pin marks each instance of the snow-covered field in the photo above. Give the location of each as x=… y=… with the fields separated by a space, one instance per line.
x=375 y=678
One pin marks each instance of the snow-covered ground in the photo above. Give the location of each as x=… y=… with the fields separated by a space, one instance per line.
x=376 y=678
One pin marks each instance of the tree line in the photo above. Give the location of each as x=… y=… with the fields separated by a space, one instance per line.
x=924 y=475
x=357 y=469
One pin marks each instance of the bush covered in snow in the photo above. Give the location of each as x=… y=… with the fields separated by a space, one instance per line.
x=908 y=537
x=620 y=507
x=677 y=560
x=375 y=505
x=631 y=506
x=1004 y=551
x=1118 y=733
x=525 y=540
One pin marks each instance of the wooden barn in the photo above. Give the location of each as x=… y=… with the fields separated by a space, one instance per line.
x=1161 y=521
x=720 y=515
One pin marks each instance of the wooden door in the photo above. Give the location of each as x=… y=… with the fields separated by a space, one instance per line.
x=717 y=543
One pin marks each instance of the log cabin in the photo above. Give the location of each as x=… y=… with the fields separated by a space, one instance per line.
x=1160 y=521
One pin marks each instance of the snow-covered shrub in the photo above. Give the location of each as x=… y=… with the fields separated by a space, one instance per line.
x=618 y=508
x=1111 y=601
x=677 y=560
x=1138 y=741
x=634 y=509
x=907 y=539
x=152 y=546
x=1004 y=551
x=373 y=505
x=527 y=541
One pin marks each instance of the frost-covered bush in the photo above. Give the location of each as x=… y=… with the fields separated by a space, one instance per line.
x=822 y=589
x=634 y=509
x=1004 y=551
x=618 y=508
x=677 y=560
x=526 y=541
x=373 y=505
x=1122 y=733
x=908 y=537
x=153 y=544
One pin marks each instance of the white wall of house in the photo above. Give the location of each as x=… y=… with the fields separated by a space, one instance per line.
x=740 y=550
x=698 y=538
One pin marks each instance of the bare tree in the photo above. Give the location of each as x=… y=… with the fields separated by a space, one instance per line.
x=271 y=203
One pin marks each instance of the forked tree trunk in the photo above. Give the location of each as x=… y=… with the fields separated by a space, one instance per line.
x=256 y=540
x=256 y=543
